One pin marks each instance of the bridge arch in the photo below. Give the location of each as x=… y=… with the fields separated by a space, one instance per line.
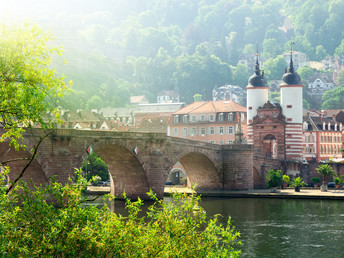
x=126 y=172
x=200 y=170
x=33 y=171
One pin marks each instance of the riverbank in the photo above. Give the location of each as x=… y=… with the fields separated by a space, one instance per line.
x=305 y=193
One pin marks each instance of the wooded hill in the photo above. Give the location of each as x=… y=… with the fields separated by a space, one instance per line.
x=132 y=47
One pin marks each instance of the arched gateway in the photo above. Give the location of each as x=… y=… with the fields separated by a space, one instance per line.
x=141 y=161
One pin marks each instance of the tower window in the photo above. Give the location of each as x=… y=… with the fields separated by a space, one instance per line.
x=249 y=108
x=289 y=106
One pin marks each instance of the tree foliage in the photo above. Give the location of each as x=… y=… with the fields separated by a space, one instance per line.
x=95 y=166
x=28 y=86
x=55 y=222
x=274 y=178
x=325 y=170
x=333 y=99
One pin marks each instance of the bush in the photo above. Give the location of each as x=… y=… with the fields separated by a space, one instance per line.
x=297 y=182
x=54 y=222
x=316 y=180
x=286 y=179
x=273 y=178
x=337 y=180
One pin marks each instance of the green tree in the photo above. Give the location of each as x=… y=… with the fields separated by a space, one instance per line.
x=197 y=97
x=28 y=87
x=320 y=53
x=305 y=72
x=95 y=166
x=271 y=48
x=275 y=68
x=340 y=77
x=240 y=75
x=94 y=103
x=325 y=170
x=333 y=99
x=340 y=49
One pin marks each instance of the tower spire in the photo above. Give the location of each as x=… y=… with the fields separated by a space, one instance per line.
x=257 y=70
x=291 y=65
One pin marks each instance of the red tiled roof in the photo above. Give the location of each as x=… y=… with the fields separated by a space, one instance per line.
x=212 y=107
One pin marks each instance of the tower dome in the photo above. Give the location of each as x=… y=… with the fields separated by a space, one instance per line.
x=291 y=77
x=257 y=79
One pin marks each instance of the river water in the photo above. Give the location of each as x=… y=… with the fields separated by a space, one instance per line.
x=280 y=227
x=284 y=227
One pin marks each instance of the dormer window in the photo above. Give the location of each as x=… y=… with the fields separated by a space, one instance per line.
x=176 y=119
x=220 y=118
x=202 y=118
x=274 y=114
x=211 y=118
x=231 y=116
x=185 y=119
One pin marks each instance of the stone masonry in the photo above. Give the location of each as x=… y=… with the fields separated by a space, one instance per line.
x=210 y=166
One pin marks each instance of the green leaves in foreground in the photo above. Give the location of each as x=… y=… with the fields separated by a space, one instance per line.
x=54 y=222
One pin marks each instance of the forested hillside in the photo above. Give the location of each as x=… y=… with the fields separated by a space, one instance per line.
x=118 y=48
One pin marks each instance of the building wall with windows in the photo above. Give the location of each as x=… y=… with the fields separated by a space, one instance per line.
x=322 y=138
x=210 y=121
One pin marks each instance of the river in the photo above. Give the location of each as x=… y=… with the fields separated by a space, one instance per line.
x=281 y=227
x=284 y=227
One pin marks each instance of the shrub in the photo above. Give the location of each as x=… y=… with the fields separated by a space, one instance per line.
x=297 y=182
x=286 y=179
x=53 y=221
x=337 y=180
x=316 y=180
x=273 y=178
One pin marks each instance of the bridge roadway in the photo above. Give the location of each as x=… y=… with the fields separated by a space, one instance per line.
x=212 y=167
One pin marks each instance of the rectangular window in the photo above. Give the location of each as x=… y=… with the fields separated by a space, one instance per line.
x=220 y=119
x=175 y=132
x=249 y=108
x=202 y=118
x=289 y=119
x=211 y=118
x=211 y=130
x=213 y=142
x=193 y=118
x=185 y=132
x=220 y=130
x=289 y=106
x=230 y=130
x=185 y=119
x=221 y=142
x=193 y=131
x=203 y=131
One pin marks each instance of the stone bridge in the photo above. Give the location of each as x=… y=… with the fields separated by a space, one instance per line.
x=210 y=166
